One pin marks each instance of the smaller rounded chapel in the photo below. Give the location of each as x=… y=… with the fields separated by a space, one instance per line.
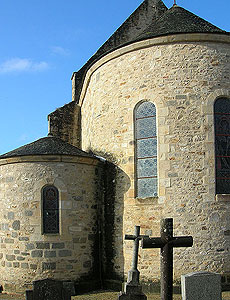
x=49 y=210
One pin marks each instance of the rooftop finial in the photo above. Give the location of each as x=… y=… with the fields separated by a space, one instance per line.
x=174 y=3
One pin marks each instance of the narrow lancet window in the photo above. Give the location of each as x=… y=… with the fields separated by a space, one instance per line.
x=146 y=150
x=50 y=209
x=222 y=145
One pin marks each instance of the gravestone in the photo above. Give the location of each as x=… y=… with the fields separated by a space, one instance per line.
x=48 y=289
x=166 y=243
x=201 y=286
x=133 y=289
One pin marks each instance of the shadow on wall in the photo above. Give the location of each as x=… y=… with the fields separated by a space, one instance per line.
x=116 y=184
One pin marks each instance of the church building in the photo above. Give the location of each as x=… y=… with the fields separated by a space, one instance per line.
x=145 y=137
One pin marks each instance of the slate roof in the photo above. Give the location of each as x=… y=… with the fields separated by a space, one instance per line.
x=178 y=20
x=47 y=146
x=159 y=21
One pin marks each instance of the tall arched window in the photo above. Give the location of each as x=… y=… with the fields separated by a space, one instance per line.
x=222 y=145
x=50 y=209
x=146 y=150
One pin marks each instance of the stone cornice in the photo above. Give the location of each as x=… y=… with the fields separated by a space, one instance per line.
x=50 y=158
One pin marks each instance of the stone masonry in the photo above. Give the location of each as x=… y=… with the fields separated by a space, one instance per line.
x=182 y=75
x=26 y=254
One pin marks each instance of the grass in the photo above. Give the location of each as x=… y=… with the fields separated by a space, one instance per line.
x=104 y=295
x=114 y=296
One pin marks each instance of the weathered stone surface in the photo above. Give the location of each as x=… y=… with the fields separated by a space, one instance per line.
x=64 y=253
x=16 y=225
x=49 y=254
x=201 y=286
x=58 y=245
x=34 y=253
x=48 y=266
x=43 y=245
x=183 y=87
x=10 y=257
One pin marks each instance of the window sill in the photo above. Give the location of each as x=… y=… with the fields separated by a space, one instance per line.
x=146 y=201
x=223 y=197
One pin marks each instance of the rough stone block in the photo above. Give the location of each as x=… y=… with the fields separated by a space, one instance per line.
x=23 y=238
x=33 y=267
x=9 y=241
x=36 y=253
x=30 y=246
x=64 y=253
x=48 y=266
x=10 y=257
x=201 y=286
x=43 y=245
x=16 y=264
x=58 y=245
x=16 y=225
x=22 y=258
x=10 y=215
x=50 y=253
x=24 y=266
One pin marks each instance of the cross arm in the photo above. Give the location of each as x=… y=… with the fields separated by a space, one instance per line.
x=133 y=237
x=182 y=241
x=152 y=243
x=130 y=237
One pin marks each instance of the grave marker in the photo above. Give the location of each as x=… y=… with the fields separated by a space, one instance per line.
x=167 y=242
x=201 y=286
x=48 y=289
x=133 y=289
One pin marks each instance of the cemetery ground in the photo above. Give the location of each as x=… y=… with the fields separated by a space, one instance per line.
x=104 y=295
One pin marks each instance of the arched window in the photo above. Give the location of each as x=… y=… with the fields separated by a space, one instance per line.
x=50 y=209
x=222 y=145
x=146 y=150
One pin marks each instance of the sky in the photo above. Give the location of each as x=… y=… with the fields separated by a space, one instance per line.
x=44 y=41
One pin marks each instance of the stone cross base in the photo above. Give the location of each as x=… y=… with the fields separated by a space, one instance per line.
x=132 y=292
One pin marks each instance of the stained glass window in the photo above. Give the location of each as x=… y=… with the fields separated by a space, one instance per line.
x=222 y=145
x=50 y=209
x=146 y=150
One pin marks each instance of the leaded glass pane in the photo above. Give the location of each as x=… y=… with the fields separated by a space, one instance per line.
x=146 y=148
x=51 y=221
x=146 y=128
x=222 y=124
x=146 y=109
x=50 y=210
x=147 y=167
x=147 y=187
x=222 y=105
x=222 y=145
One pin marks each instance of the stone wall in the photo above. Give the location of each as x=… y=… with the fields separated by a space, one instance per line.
x=26 y=254
x=65 y=123
x=182 y=75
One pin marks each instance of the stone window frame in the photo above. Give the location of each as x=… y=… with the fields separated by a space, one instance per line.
x=135 y=150
x=207 y=109
x=42 y=210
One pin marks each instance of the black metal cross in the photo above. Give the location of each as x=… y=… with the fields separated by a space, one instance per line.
x=134 y=274
x=167 y=242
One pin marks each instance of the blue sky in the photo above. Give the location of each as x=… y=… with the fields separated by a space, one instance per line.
x=44 y=41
